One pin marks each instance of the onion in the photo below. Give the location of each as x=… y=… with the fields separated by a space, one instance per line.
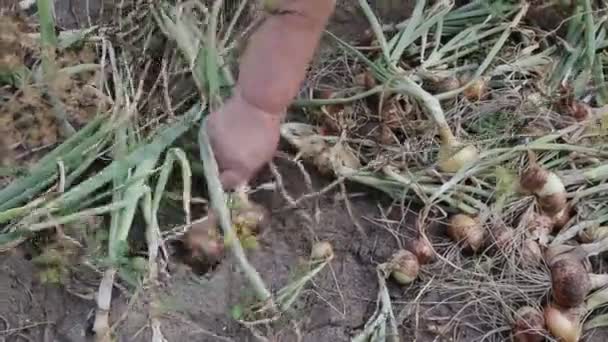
x=311 y=145
x=591 y=234
x=421 y=247
x=531 y=253
x=540 y=227
x=453 y=156
x=466 y=230
x=476 y=90
x=546 y=185
x=529 y=325
x=404 y=267
x=502 y=237
x=204 y=241
x=570 y=282
x=250 y=217
x=561 y=218
x=563 y=323
x=322 y=251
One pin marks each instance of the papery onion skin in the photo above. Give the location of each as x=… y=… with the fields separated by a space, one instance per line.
x=533 y=179
x=570 y=282
x=467 y=230
x=562 y=324
x=547 y=186
x=529 y=325
x=553 y=204
x=531 y=253
x=404 y=267
x=423 y=250
x=561 y=218
x=540 y=227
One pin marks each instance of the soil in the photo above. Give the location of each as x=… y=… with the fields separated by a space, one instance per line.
x=333 y=308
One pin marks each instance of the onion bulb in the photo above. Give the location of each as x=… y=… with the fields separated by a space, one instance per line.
x=594 y=233
x=204 y=241
x=570 y=282
x=529 y=325
x=531 y=253
x=421 y=247
x=466 y=230
x=546 y=185
x=322 y=251
x=453 y=156
x=313 y=146
x=476 y=90
x=562 y=323
x=502 y=237
x=404 y=267
x=540 y=227
x=562 y=217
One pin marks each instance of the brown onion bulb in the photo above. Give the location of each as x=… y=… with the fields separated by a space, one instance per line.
x=540 y=227
x=502 y=237
x=529 y=325
x=204 y=241
x=404 y=267
x=561 y=218
x=546 y=185
x=562 y=323
x=453 y=157
x=476 y=90
x=466 y=230
x=531 y=253
x=421 y=247
x=322 y=251
x=570 y=282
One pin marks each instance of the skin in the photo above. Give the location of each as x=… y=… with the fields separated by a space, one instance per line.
x=244 y=132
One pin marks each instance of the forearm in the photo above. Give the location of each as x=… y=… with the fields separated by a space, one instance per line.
x=279 y=52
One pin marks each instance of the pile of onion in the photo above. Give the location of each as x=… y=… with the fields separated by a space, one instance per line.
x=467 y=231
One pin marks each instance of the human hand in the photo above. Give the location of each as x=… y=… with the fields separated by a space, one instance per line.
x=243 y=138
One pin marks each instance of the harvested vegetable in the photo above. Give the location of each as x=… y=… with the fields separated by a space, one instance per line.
x=545 y=185
x=529 y=325
x=404 y=267
x=422 y=248
x=322 y=251
x=563 y=323
x=466 y=230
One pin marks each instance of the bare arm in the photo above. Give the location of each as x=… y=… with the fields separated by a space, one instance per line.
x=278 y=54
